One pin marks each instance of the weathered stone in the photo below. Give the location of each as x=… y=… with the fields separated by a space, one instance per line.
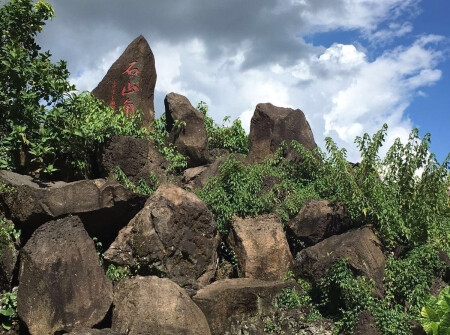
x=271 y=125
x=90 y=331
x=151 y=305
x=136 y=157
x=189 y=137
x=282 y=321
x=317 y=220
x=360 y=247
x=192 y=177
x=261 y=247
x=130 y=82
x=104 y=206
x=241 y=296
x=366 y=324
x=62 y=284
x=174 y=236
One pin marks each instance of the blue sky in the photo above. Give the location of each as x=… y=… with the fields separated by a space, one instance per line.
x=350 y=65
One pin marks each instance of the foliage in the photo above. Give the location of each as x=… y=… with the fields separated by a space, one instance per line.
x=42 y=124
x=435 y=315
x=404 y=207
x=408 y=280
x=141 y=188
x=344 y=296
x=232 y=138
x=237 y=190
x=177 y=161
x=116 y=273
x=8 y=234
x=8 y=309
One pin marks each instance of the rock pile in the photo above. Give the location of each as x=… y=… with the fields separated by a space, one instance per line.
x=169 y=242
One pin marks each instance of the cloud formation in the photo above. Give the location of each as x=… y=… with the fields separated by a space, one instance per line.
x=234 y=54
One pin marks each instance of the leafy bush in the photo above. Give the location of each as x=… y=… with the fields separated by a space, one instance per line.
x=42 y=124
x=435 y=315
x=404 y=207
x=141 y=188
x=8 y=309
x=232 y=138
x=159 y=134
x=408 y=279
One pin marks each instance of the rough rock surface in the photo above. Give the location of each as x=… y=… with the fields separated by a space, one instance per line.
x=317 y=220
x=174 y=236
x=190 y=139
x=136 y=157
x=89 y=331
x=261 y=247
x=282 y=321
x=151 y=305
x=62 y=284
x=271 y=125
x=366 y=324
x=241 y=296
x=102 y=205
x=130 y=82
x=360 y=247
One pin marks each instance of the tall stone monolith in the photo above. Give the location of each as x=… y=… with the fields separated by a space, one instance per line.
x=129 y=85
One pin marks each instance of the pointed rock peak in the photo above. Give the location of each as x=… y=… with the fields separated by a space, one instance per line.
x=129 y=85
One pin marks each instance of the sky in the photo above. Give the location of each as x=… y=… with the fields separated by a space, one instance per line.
x=349 y=65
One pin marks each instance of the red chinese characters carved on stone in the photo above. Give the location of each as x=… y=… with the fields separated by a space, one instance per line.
x=129 y=107
x=130 y=88
x=130 y=70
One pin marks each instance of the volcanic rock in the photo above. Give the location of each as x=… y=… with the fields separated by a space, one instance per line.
x=130 y=82
x=62 y=284
x=271 y=125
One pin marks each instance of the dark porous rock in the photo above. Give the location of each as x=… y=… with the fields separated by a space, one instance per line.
x=282 y=321
x=360 y=247
x=189 y=137
x=104 y=206
x=151 y=305
x=130 y=82
x=62 y=284
x=261 y=247
x=173 y=236
x=90 y=331
x=366 y=324
x=271 y=125
x=241 y=296
x=317 y=220
x=136 y=157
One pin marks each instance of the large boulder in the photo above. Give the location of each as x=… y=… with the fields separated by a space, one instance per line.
x=360 y=247
x=62 y=284
x=271 y=125
x=173 y=236
x=151 y=305
x=136 y=157
x=317 y=220
x=261 y=247
x=186 y=129
x=104 y=206
x=241 y=296
x=366 y=324
x=130 y=82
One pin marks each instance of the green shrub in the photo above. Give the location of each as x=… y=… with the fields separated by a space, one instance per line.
x=435 y=315
x=141 y=188
x=159 y=134
x=232 y=138
x=8 y=309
